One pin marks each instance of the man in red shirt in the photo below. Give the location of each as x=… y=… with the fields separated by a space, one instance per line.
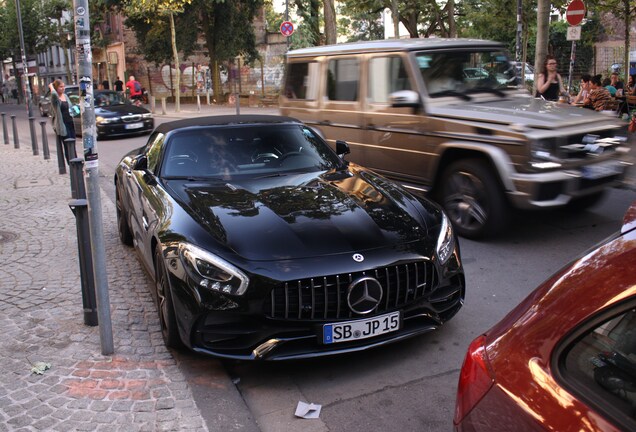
x=134 y=88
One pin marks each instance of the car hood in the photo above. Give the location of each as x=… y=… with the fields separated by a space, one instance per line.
x=120 y=110
x=522 y=111
x=302 y=215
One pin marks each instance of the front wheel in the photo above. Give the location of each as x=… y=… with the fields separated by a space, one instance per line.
x=125 y=234
x=473 y=199
x=165 y=307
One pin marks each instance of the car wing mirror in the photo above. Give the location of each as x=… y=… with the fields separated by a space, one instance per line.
x=404 y=98
x=140 y=163
x=342 y=148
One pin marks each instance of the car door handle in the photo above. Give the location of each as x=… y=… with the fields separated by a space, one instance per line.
x=324 y=123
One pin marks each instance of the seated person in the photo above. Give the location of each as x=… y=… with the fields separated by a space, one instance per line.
x=584 y=90
x=599 y=98
x=607 y=83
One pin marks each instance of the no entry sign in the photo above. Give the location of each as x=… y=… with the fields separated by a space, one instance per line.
x=575 y=12
x=287 y=28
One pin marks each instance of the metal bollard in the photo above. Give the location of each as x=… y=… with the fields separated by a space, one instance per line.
x=45 y=141
x=152 y=104
x=79 y=207
x=34 y=137
x=61 y=163
x=5 y=132
x=163 y=106
x=198 y=103
x=16 y=140
x=69 y=146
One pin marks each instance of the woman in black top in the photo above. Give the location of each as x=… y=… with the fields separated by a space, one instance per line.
x=61 y=116
x=549 y=84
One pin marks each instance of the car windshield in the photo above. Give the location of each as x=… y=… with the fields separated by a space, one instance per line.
x=104 y=99
x=464 y=72
x=230 y=152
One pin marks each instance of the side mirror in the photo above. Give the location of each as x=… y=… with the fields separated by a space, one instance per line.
x=140 y=163
x=342 y=148
x=404 y=99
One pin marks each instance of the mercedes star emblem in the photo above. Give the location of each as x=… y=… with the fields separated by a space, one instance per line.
x=358 y=257
x=364 y=295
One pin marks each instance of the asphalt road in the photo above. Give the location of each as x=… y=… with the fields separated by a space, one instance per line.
x=408 y=386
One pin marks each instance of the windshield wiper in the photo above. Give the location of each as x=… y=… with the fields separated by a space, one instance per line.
x=460 y=95
x=270 y=176
x=487 y=90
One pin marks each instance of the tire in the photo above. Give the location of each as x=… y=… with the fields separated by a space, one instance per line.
x=473 y=199
x=165 y=307
x=585 y=202
x=125 y=235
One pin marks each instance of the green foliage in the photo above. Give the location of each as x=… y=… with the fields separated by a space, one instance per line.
x=360 y=25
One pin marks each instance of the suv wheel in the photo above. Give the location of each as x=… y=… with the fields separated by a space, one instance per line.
x=473 y=199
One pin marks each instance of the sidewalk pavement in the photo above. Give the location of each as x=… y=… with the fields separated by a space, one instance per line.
x=138 y=388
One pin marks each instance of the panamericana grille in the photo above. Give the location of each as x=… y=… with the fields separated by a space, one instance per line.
x=325 y=298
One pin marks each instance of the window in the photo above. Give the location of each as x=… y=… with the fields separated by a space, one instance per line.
x=601 y=366
x=342 y=80
x=386 y=75
x=302 y=81
x=155 y=143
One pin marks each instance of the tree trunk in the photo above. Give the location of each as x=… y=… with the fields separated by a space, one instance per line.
x=330 y=22
x=396 y=19
x=175 y=55
x=452 y=28
x=543 y=27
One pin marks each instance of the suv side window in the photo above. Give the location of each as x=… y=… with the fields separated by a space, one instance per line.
x=601 y=366
x=302 y=81
x=386 y=75
x=342 y=80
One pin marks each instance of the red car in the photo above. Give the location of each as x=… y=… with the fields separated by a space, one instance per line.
x=565 y=358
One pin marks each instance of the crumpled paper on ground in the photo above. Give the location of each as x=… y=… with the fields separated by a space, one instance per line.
x=308 y=410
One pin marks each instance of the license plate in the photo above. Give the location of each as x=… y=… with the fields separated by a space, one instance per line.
x=603 y=169
x=134 y=125
x=360 y=329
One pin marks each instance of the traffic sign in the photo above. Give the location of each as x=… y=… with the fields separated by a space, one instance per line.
x=575 y=12
x=287 y=28
x=574 y=33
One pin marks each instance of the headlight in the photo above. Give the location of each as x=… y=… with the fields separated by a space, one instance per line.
x=211 y=272
x=106 y=120
x=146 y=116
x=544 y=154
x=445 y=240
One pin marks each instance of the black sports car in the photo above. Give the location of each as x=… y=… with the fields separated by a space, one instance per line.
x=116 y=116
x=264 y=243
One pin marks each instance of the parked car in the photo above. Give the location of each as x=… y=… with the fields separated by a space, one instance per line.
x=528 y=70
x=480 y=146
x=44 y=103
x=263 y=243
x=116 y=116
x=565 y=358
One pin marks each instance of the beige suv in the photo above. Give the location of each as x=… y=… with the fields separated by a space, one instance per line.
x=447 y=117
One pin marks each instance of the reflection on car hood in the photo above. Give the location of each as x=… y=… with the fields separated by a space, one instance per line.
x=120 y=110
x=302 y=215
x=528 y=111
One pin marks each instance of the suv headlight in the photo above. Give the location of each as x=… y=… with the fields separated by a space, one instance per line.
x=211 y=272
x=543 y=154
x=445 y=240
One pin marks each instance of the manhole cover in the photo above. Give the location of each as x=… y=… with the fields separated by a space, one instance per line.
x=6 y=236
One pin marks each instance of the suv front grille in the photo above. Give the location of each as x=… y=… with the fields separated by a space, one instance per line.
x=325 y=298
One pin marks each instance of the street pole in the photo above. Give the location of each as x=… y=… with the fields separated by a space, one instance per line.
x=25 y=70
x=518 y=42
x=91 y=169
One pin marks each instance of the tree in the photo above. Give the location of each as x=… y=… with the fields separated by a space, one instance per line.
x=359 y=25
x=331 y=34
x=226 y=35
x=619 y=8
x=156 y=11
